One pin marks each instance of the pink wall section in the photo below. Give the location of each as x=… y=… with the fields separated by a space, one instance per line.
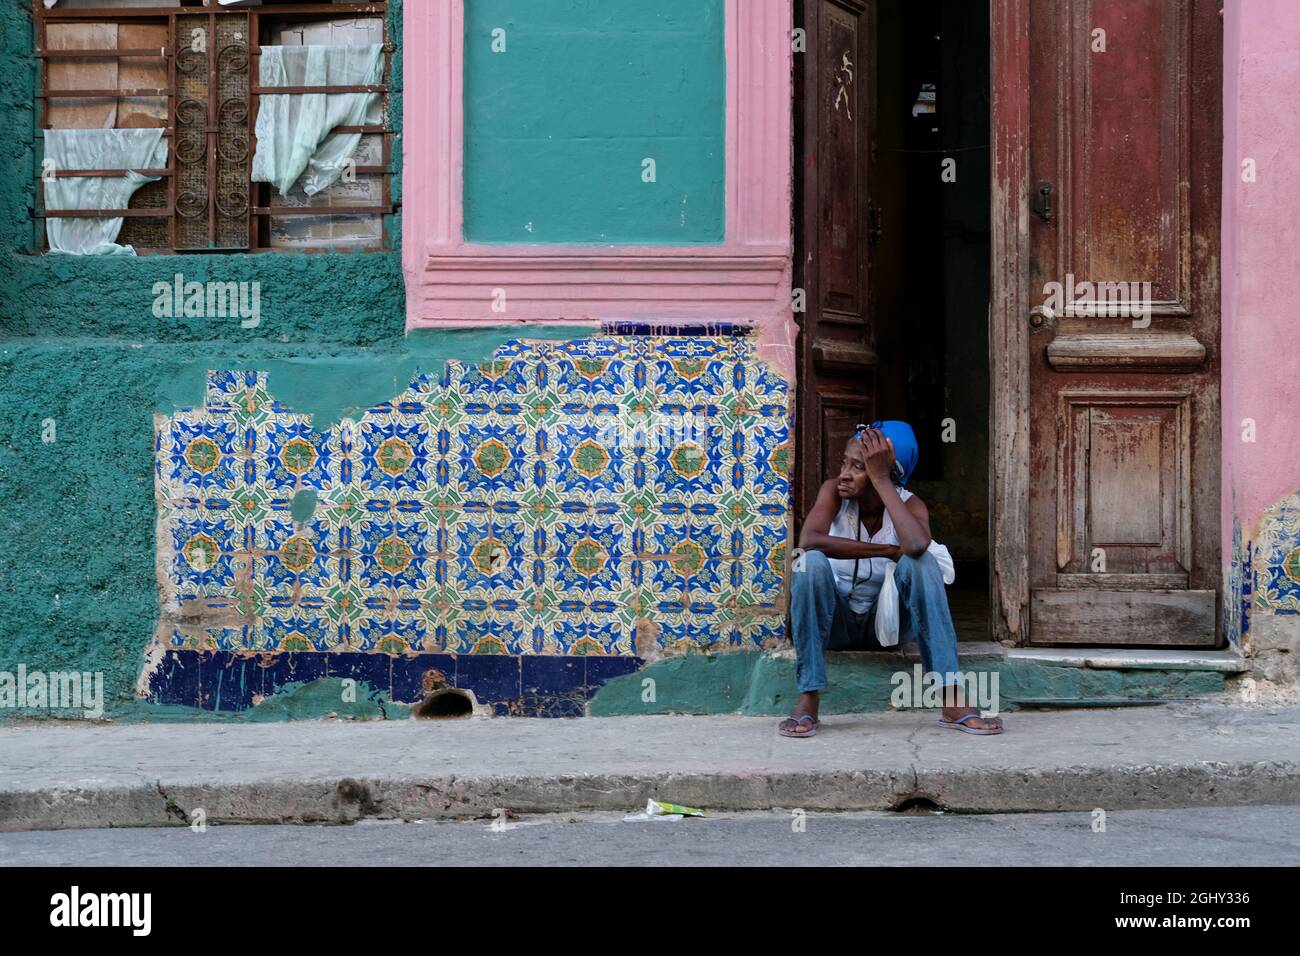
x=747 y=278
x=1261 y=258
x=744 y=279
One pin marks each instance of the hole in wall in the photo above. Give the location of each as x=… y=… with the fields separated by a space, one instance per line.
x=445 y=704
x=916 y=804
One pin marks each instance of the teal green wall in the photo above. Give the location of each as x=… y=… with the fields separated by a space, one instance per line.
x=79 y=344
x=557 y=126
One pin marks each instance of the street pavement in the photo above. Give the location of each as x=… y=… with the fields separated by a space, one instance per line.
x=1206 y=836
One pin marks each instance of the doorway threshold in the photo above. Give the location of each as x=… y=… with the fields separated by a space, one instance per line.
x=966 y=650
x=1226 y=661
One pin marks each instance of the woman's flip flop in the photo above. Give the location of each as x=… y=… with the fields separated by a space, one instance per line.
x=960 y=724
x=798 y=722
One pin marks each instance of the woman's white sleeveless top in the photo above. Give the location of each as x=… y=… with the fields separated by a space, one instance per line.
x=871 y=571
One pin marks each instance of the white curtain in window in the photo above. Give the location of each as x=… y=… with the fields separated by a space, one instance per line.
x=293 y=129
x=67 y=149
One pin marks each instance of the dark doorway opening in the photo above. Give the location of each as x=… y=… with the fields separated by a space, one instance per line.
x=931 y=269
x=914 y=344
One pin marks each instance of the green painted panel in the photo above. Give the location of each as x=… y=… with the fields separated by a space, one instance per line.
x=559 y=122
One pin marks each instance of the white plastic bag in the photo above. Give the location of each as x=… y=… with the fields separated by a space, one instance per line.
x=887 y=601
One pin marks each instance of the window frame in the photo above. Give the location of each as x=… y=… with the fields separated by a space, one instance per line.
x=256 y=201
x=744 y=279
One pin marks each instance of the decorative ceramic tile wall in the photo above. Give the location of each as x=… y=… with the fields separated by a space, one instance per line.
x=621 y=495
x=1277 y=553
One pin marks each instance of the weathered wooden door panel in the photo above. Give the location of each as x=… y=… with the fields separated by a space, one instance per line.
x=1132 y=618
x=1122 y=243
x=841 y=410
x=837 y=359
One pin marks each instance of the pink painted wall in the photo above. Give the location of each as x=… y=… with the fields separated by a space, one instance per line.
x=746 y=278
x=1261 y=259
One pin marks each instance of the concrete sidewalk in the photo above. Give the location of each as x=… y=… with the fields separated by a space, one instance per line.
x=1176 y=755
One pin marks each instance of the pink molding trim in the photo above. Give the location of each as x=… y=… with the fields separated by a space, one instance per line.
x=746 y=278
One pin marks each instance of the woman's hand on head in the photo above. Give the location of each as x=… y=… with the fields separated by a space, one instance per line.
x=879 y=454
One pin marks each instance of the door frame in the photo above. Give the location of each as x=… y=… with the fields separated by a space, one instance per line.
x=1008 y=308
x=1008 y=317
x=1009 y=78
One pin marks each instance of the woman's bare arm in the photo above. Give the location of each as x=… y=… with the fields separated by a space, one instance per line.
x=815 y=534
x=911 y=520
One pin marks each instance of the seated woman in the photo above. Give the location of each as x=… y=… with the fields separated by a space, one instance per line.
x=862 y=520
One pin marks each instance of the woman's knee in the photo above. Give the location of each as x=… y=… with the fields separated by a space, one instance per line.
x=924 y=567
x=811 y=567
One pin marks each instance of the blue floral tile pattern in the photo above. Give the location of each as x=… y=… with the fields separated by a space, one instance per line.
x=620 y=495
x=1277 y=553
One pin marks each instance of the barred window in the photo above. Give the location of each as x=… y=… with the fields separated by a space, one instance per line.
x=195 y=70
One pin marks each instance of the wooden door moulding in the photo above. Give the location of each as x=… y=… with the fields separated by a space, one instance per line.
x=1009 y=321
x=1127 y=350
x=1135 y=618
x=1078 y=454
x=835 y=354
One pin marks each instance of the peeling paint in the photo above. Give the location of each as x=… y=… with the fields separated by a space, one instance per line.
x=81 y=510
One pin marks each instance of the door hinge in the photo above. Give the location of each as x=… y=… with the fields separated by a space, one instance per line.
x=1042 y=204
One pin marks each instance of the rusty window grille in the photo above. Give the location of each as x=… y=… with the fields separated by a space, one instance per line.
x=192 y=68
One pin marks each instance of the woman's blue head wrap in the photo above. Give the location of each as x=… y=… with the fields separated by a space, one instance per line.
x=906 y=452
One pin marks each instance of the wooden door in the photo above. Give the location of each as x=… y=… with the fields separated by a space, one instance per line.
x=1106 y=405
x=834 y=106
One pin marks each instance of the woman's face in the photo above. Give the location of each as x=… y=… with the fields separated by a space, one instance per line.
x=853 y=479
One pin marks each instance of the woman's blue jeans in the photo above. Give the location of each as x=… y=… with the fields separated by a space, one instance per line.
x=821 y=618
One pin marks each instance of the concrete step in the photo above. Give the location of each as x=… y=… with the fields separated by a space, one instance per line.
x=864 y=681
x=1226 y=662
